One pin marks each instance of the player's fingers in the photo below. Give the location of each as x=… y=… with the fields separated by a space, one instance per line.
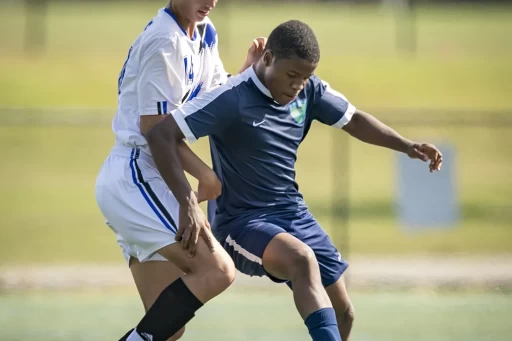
x=208 y=238
x=439 y=162
x=192 y=244
x=254 y=45
x=417 y=154
x=185 y=238
x=262 y=42
x=179 y=234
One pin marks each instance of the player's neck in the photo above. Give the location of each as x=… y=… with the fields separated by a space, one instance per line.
x=259 y=70
x=186 y=24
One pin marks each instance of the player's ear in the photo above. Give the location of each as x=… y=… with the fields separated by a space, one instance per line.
x=267 y=58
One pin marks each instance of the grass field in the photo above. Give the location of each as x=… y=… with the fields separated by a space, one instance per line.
x=55 y=112
x=63 y=316
x=463 y=62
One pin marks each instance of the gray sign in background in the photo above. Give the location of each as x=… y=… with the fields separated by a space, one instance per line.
x=427 y=200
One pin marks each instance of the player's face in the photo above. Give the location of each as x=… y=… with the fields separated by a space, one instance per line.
x=286 y=77
x=195 y=10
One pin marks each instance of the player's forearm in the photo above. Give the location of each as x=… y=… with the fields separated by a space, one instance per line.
x=164 y=148
x=368 y=129
x=192 y=164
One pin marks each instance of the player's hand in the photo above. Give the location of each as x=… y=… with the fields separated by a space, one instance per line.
x=192 y=224
x=255 y=51
x=426 y=152
x=209 y=187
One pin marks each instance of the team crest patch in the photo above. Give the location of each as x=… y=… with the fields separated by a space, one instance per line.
x=298 y=110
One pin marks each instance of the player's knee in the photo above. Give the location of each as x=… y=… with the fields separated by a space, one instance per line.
x=302 y=260
x=220 y=273
x=346 y=317
x=225 y=269
x=178 y=335
x=350 y=315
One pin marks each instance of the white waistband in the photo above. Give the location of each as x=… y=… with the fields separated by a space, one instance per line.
x=132 y=153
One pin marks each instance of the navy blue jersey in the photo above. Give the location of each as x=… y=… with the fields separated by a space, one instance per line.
x=254 y=140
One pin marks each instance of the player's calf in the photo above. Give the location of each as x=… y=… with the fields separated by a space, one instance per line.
x=151 y=278
x=286 y=257
x=207 y=275
x=342 y=306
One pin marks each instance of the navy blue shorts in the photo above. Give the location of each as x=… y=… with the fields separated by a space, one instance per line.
x=246 y=238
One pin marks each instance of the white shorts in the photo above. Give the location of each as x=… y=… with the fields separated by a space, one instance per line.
x=136 y=203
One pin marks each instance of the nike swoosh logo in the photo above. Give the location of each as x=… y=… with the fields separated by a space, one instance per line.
x=254 y=124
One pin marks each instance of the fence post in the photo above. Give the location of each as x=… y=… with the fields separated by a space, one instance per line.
x=35 y=26
x=340 y=194
x=406 y=30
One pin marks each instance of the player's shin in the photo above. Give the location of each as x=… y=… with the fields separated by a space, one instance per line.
x=172 y=310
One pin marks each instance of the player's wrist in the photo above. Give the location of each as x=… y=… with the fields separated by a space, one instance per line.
x=188 y=200
x=407 y=145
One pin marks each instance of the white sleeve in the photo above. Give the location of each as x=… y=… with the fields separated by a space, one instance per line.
x=159 y=86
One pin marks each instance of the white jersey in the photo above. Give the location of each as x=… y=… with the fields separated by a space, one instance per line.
x=163 y=70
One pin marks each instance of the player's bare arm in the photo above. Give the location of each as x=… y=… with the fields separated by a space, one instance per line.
x=367 y=128
x=163 y=140
x=210 y=186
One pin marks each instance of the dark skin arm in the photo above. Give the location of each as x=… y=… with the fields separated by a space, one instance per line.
x=209 y=185
x=164 y=140
x=367 y=128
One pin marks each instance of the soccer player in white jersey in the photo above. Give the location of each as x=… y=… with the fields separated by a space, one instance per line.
x=171 y=61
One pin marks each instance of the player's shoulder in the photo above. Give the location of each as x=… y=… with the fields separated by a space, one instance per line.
x=234 y=90
x=208 y=32
x=315 y=81
x=313 y=86
x=162 y=30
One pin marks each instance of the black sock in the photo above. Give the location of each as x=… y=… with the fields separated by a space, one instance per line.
x=172 y=310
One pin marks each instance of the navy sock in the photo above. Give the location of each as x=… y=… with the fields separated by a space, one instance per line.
x=322 y=325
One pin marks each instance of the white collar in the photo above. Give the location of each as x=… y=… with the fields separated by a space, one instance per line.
x=256 y=80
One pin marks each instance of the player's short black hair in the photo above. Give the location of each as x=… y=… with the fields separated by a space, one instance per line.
x=294 y=38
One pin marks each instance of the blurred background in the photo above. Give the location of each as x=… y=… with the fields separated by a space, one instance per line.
x=430 y=255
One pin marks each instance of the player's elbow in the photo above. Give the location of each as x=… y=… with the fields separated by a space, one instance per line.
x=155 y=136
x=161 y=134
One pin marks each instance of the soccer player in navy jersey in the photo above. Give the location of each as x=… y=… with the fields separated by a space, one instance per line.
x=256 y=122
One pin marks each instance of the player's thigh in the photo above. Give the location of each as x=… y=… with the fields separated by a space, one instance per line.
x=138 y=205
x=331 y=263
x=286 y=255
x=152 y=277
x=207 y=273
x=204 y=259
x=246 y=240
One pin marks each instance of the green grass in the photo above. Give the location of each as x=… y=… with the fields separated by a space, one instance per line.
x=48 y=171
x=263 y=315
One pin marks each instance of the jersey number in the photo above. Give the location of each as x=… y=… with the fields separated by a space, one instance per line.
x=121 y=74
x=123 y=70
